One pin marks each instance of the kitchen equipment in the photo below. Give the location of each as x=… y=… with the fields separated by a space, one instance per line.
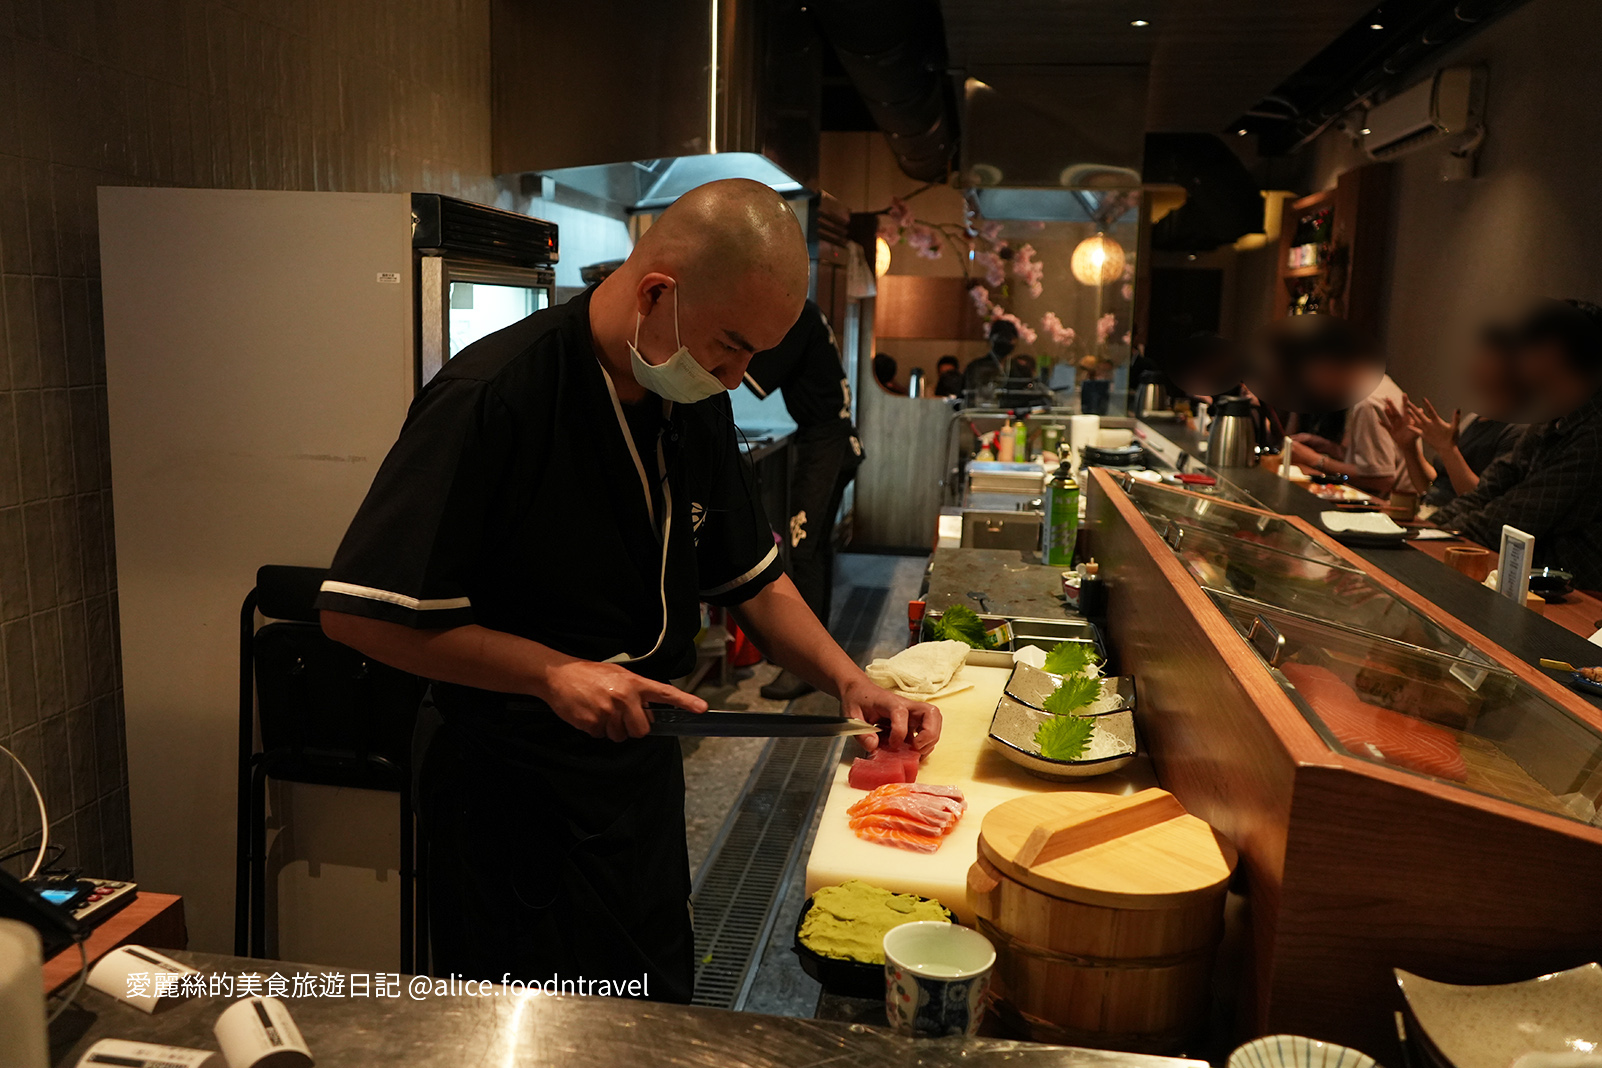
x=1551 y=583
x=1152 y=400
x=1493 y=1026
x=1294 y=1051
x=1105 y=912
x=847 y=978
x=993 y=476
x=1012 y=734
x=1131 y=455
x=1232 y=438
x=935 y=978
x=992 y=529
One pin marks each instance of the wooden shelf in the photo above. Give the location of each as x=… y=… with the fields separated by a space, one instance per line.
x=154 y=920
x=1360 y=206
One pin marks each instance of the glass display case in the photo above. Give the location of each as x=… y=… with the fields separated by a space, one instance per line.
x=1450 y=718
x=1331 y=592
x=1163 y=505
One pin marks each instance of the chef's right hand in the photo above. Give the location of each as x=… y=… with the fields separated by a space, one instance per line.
x=608 y=701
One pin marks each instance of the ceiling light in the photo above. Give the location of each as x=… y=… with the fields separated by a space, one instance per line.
x=1097 y=261
x=1140 y=22
x=881 y=257
x=1376 y=26
x=1365 y=131
x=1240 y=132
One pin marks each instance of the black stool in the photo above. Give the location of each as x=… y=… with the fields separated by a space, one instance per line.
x=329 y=716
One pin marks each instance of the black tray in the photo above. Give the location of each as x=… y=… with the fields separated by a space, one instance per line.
x=847 y=978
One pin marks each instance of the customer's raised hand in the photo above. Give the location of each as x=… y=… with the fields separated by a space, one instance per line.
x=1403 y=430
x=1440 y=434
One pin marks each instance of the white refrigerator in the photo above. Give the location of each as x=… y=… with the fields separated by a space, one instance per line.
x=261 y=350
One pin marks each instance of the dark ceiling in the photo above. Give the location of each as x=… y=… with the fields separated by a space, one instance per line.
x=1211 y=60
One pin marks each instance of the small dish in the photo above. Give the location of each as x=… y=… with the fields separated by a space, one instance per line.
x=1493 y=1026
x=1012 y=734
x=1552 y=583
x=1031 y=686
x=1585 y=685
x=1294 y=1051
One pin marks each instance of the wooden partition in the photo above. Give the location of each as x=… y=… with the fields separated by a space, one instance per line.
x=1351 y=868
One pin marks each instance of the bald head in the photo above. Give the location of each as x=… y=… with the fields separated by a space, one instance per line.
x=729 y=261
x=728 y=234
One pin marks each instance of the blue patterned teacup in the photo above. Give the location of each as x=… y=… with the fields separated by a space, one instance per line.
x=935 y=975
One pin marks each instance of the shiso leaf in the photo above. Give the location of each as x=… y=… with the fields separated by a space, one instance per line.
x=961 y=623
x=1064 y=737
x=1071 y=658
x=1074 y=693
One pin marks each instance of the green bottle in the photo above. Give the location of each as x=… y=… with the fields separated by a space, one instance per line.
x=1020 y=450
x=1061 y=525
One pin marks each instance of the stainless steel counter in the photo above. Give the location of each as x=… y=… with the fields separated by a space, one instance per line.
x=1013 y=583
x=538 y=1031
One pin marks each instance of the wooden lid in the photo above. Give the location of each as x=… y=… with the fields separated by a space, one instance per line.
x=1142 y=851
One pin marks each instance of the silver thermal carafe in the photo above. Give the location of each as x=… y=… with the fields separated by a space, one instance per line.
x=1232 y=441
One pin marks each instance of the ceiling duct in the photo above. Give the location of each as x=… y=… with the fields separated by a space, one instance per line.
x=634 y=103
x=894 y=53
x=1031 y=135
x=1365 y=64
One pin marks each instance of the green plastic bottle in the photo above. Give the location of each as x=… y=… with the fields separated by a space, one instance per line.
x=1020 y=450
x=1061 y=526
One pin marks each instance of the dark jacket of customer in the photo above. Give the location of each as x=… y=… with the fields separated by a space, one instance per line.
x=1551 y=487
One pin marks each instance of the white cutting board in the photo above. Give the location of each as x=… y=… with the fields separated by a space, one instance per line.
x=963 y=758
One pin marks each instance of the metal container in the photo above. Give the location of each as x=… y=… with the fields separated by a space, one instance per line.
x=1233 y=439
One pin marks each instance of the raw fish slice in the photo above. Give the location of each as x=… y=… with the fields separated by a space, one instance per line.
x=934 y=822
x=1363 y=728
x=917 y=843
x=870 y=774
x=913 y=808
x=918 y=789
x=893 y=821
x=878 y=801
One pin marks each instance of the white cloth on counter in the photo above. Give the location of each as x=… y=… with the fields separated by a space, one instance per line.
x=923 y=669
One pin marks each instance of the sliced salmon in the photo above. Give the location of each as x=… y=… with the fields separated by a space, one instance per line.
x=895 y=821
x=1370 y=730
x=917 y=843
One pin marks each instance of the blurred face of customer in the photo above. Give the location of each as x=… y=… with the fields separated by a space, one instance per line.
x=1498 y=391
x=1553 y=383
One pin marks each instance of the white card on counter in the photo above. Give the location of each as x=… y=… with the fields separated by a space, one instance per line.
x=1513 y=564
x=139 y=977
x=125 y=1054
x=258 y=1032
x=1432 y=534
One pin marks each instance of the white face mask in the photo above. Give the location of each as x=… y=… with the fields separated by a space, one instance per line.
x=679 y=379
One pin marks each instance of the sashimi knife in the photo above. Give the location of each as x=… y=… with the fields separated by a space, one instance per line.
x=676 y=722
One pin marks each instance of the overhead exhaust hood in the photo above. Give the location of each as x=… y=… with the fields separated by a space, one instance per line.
x=636 y=103
x=1034 y=135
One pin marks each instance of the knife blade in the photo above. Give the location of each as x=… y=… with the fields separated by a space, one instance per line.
x=715 y=723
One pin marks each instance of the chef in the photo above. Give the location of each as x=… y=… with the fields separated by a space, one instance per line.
x=562 y=496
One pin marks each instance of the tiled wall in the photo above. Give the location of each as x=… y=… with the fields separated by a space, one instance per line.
x=272 y=94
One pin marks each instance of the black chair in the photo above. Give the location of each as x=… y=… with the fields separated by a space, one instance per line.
x=327 y=715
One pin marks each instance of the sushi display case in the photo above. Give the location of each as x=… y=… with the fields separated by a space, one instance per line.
x=1404 y=792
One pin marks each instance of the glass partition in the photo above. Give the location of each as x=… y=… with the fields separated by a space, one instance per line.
x=1211 y=513
x=1454 y=719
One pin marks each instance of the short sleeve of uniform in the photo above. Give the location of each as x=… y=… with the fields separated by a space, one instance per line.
x=735 y=551
x=407 y=553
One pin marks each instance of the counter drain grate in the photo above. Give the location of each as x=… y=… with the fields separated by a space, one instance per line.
x=739 y=888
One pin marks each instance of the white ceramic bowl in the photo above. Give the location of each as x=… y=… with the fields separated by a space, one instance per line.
x=1294 y=1051
x=1493 y=1026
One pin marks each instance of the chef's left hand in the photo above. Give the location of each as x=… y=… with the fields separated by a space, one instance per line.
x=914 y=722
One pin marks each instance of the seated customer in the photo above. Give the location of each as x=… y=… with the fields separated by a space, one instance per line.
x=1551 y=485
x=1463 y=446
x=884 y=372
x=948 y=379
x=1339 y=381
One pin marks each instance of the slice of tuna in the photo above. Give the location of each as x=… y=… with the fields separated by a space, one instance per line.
x=1370 y=730
x=868 y=773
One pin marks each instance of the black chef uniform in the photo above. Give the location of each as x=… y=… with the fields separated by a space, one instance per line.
x=524 y=497
x=826 y=452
